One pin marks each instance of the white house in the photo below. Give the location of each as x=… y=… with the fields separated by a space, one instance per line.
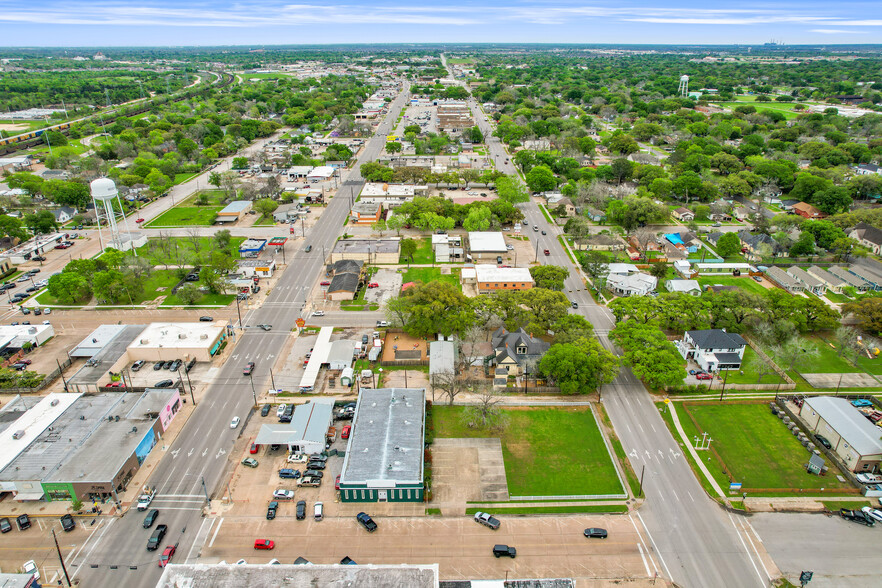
x=868 y=236
x=690 y=287
x=810 y=282
x=631 y=285
x=713 y=349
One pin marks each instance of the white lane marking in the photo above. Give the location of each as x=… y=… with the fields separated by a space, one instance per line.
x=196 y=540
x=645 y=565
x=690 y=495
x=749 y=556
x=216 y=531
x=94 y=545
x=654 y=546
x=675 y=494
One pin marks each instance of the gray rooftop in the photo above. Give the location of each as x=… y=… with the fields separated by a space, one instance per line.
x=109 y=354
x=848 y=278
x=366 y=246
x=849 y=422
x=298 y=576
x=387 y=437
x=309 y=422
x=441 y=357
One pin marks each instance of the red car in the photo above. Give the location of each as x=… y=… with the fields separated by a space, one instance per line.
x=704 y=376
x=547 y=252
x=373 y=285
x=326 y=283
x=337 y=483
x=166 y=556
x=113 y=385
x=254 y=448
x=62 y=246
x=345 y=433
x=24 y=361
x=264 y=544
x=249 y=367
x=140 y=220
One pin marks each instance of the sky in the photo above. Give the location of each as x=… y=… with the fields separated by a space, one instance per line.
x=93 y=23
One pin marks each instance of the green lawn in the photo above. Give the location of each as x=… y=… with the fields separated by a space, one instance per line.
x=567 y=509
x=871 y=366
x=547 y=451
x=828 y=362
x=430 y=274
x=158 y=284
x=185 y=246
x=743 y=282
x=838 y=298
x=749 y=375
x=181 y=178
x=206 y=300
x=186 y=216
x=758 y=450
x=215 y=198
x=423 y=254
x=265 y=221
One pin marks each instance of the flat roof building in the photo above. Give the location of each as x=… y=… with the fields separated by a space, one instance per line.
x=490 y=277
x=97 y=340
x=185 y=341
x=384 y=457
x=233 y=211
x=15 y=336
x=486 y=243
x=252 y=247
x=374 y=251
x=307 y=431
x=115 y=344
x=852 y=436
x=297 y=576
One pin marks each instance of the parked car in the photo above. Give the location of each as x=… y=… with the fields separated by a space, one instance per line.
x=325 y=283
x=138 y=365
x=150 y=518
x=316 y=465
x=318 y=313
x=288 y=473
x=190 y=365
x=873 y=513
x=281 y=410
x=867 y=478
x=857 y=516
x=314 y=474
x=318 y=457
x=595 y=533
x=253 y=449
x=757 y=279
x=249 y=367
x=30 y=568
x=337 y=482
x=704 y=376
x=373 y=285
x=206 y=319
x=348 y=561
x=487 y=520
x=382 y=324
x=164 y=384
x=158 y=366
x=366 y=521
x=166 y=556
x=344 y=434
x=23 y=521
x=265 y=410
x=301 y=510
x=283 y=494
x=175 y=365
x=823 y=441
x=297 y=458
x=5 y=525
x=309 y=481
x=156 y=537
x=167 y=365
x=504 y=550
x=271 y=510
x=67 y=523
x=250 y=462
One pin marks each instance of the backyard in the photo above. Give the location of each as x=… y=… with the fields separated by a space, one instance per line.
x=745 y=283
x=430 y=274
x=547 y=451
x=755 y=447
x=423 y=253
x=748 y=373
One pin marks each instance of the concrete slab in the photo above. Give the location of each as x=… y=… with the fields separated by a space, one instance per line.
x=390 y=285
x=852 y=380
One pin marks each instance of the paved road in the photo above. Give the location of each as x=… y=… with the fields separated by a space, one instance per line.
x=198 y=457
x=695 y=540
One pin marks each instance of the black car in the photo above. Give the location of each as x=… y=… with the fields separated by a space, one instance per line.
x=175 y=365
x=138 y=365
x=308 y=248
x=5 y=526
x=500 y=550
x=271 y=510
x=595 y=533
x=301 y=510
x=318 y=457
x=158 y=366
x=23 y=521
x=38 y=258
x=315 y=465
x=823 y=441
x=190 y=365
x=164 y=384
x=167 y=365
x=265 y=410
x=206 y=319
x=366 y=521
x=156 y=537
x=313 y=473
x=32 y=289
x=348 y=561
x=150 y=518
x=67 y=523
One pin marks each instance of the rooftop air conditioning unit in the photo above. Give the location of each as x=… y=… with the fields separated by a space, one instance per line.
x=54 y=402
x=18 y=434
x=182 y=335
x=143 y=341
x=203 y=336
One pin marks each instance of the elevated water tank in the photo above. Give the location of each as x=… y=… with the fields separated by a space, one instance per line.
x=103 y=189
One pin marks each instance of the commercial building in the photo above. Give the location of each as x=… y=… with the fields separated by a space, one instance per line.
x=486 y=244
x=37 y=246
x=85 y=447
x=366 y=213
x=233 y=211
x=185 y=341
x=372 y=251
x=307 y=431
x=384 y=457
x=490 y=277
x=320 y=174
x=852 y=436
x=341 y=355
x=320 y=352
x=261 y=268
x=442 y=359
x=344 y=284
x=252 y=247
x=16 y=336
x=390 y=195
x=291 y=575
x=106 y=349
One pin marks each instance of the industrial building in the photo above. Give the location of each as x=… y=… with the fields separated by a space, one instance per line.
x=16 y=336
x=486 y=244
x=384 y=457
x=86 y=447
x=307 y=431
x=390 y=195
x=852 y=436
x=233 y=211
x=291 y=575
x=490 y=277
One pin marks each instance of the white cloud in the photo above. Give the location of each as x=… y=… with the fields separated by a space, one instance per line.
x=838 y=32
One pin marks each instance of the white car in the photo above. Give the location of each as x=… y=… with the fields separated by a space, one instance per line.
x=31 y=568
x=281 y=410
x=47 y=311
x=874 y=514
x=297 y=458
x=235 y=422
x=283 y=494
x=319 y=313
x=868 y=478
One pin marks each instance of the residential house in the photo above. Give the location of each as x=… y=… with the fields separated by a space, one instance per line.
x=713 y=237
x=807 y=211
x=287 y=212
x=690 y=287
x=684 y=215
x=741 y=213
x=831 y=281
x=621 y=269
x=787 y=204
x=866 y=169
x=684 y=268
x=638 y=284
x=811 y=283
x=64 y=214
x=784 y=280
x=518 y=352
x=758 y=245
x=868 y=236
x=673 y=252
x=595 y=215
x=569 y=209
x=871 y=278
x=851 y=280
x=603 y=243
x=344 y=284
x=713 y=349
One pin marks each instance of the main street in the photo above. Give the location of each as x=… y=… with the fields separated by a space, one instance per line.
x=695 y=540
x=195 y=463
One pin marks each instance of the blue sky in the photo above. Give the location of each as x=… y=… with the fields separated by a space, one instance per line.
x=272 y=22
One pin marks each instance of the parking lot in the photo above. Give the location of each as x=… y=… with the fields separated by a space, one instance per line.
x=389 y=285
x=425 y=116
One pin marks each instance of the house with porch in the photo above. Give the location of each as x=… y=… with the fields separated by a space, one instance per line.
x=683 y=214
x=810 y=282
x=868 y=236
x=518 y=352
x=713 y=349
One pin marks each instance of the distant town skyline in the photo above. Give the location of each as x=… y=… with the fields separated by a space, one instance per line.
x=86 y=23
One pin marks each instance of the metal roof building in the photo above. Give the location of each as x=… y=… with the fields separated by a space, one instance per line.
x=341 y=354
x=853 y=437
x=487 y=242
x=320 y=352
x=307 y=430
x=384 y=457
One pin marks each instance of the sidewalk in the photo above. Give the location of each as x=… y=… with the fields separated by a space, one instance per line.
x=675 y=417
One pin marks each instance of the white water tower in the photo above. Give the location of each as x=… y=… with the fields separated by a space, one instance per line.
x=104 y=192
x=683 y=90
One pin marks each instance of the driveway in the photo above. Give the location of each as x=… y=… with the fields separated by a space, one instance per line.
x=389 y=286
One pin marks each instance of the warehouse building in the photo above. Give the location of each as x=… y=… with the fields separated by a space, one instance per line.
x=372 y=251
x=852 y=436
x=15 y=336
x=233 y=211
x=184 y=341
x=384 y=457
x=306 y=433
x=486 y=244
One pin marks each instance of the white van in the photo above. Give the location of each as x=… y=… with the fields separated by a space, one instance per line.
x=318 y=511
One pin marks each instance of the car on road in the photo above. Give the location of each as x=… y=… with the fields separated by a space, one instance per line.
x=366 y=521
x=30 y=568
x=487 y=520
x=535 y=228
x=249 y=367
x=544 y=233
x=547 y=252
x=250 y=462
x=235 y=422
x=308 y=248
x=382 y=324
x=265 y=410
x=206 y=319
x=265 y=327
x=283 y=494
x=373 y=285
x=67 y=523
x=823 y=441
x=156 y=537
x=504 y=550
x=873 y=513
x=23 y=521
x=289 y=474
x=150 y=518
x=704 y=376
x=575 y=305
x=344 y=434
x=271 y=510
x=38 y=258
x=139 y=220
x=595 y=533
x=301 y=510
x=5 y=525
x=138 y=365
x=318 y=313
x=166 y=556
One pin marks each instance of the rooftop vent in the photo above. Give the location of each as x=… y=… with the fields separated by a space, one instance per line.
x=182 y=335
x=18 y=434
x=143 y=342
x=54 y=402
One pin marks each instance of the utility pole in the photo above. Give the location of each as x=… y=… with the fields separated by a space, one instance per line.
x=272 y=380
x=61 y=371
x=204 y=489
x=253 y=391
x=189 y=383
x=640 y=488
x=60 y=559
x=239 y=311
x=725 y=378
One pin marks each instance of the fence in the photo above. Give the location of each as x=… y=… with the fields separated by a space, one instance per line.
x=50 y=377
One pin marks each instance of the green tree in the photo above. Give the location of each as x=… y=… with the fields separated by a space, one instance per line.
x=240 y=163
x=579 y=367
x=11 y=227
x=189 y=293
x=395 y=222
x=475 y=135
x=109 y=285
x=222 y=239
x=541 y=179
x=624 y=144
x=868 y=311
x=437 y=307
x=550 y=277
x=408 y=248
x=41 y=222
x=651 y=356
x=70 y=288
x=478 y=219
x=266 y=206
x=728 y=244
x=393 y=147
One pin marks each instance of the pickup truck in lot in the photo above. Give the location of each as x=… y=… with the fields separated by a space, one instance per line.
x=309 y=481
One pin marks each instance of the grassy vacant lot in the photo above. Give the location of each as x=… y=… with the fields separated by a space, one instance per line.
x=215 y=198
x=749 y=375
x=568 y=509
x=206 y=300
x=757 y=449
x=744 y=282
x=158 y=284
x=181 y=216
x=547 y=451
x=828 y=362
x=430 y=274
x=181 y=178
x=185 y=246
x=423 y=254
